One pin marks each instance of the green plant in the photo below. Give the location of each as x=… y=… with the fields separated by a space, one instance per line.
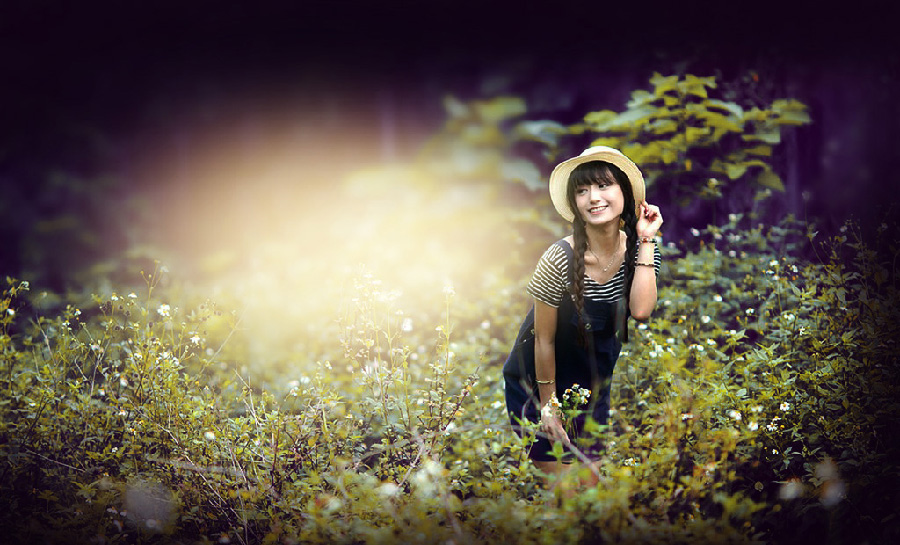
x=690 y=142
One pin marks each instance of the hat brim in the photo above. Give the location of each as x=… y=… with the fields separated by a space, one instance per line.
x=559 y=178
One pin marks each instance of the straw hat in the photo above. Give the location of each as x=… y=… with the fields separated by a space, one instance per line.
x=559 y=178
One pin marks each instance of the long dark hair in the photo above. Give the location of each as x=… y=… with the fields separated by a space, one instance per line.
x=586 y=174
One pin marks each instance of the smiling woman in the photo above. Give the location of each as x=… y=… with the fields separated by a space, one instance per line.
x=573 y=334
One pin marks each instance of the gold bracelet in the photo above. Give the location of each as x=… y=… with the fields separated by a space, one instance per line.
x=645 y=264
x=551 y=381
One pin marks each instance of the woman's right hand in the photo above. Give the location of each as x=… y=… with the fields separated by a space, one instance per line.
x=552 y=425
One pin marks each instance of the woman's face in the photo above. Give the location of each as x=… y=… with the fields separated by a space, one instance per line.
x=600 y=202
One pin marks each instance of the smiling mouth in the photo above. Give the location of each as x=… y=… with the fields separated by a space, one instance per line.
x=597 y=209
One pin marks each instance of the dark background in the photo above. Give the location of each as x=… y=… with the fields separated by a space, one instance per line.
x=96 y=90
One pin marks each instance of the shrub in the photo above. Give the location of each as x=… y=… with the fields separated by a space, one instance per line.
x=755 y=405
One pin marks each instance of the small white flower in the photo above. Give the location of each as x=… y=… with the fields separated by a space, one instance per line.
x=705 y=319
x=695 y=232
x=732 y=253
x=496 y=404
x=132 y=295
x=123 y=382
x=789 y=317
x=114 y=297
x=486 y=324
x=753 y=426
x=209 y=436
x=711 y=342
x=736 y=415
x=773 y=263
x=642 y=326
x=687 y=416
x=717 y=298
x=670 y=340
x=77 y=312
x=195 y=339
x=388 y=490
x=163 y=310
x=749 y=311
x=757 y=408
x=448 y=290
x=785 y=406
x=11 y=312
x=406 y=325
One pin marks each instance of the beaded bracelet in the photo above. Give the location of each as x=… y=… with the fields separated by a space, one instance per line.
x=645 y=264
x=648 y=240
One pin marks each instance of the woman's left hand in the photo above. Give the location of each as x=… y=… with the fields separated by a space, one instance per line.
x=649 y=220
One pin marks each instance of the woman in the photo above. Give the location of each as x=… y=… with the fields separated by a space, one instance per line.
x=584 y=287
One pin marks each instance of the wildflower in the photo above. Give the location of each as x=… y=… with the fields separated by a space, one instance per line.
x=772 y=426
x=711 y=342
x=789 y=317
x=11 y=312
x=630 y=462
x=790 y=489
x=749 y=311
x=753 y=426
x=785 y=406
x=757 y=408
x=642 y=326
x=209 y=436
x=132 y=295
x=687 y=416
x=733 y=217
x=732 y=253
x=123 y=382
x=195 y=339
x=406 y=325
x=736 y=415
x=486 y=324
x=670 y=340
x=705 y=319
x=717 y=298
x=695 y=232
x=773 y=263
x=448 y=290
x=388 y=490
x=496 y=404
x=163 y=310
x=77 y=312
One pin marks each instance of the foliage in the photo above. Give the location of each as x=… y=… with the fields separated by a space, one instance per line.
x=760 y=412
x=685 y=138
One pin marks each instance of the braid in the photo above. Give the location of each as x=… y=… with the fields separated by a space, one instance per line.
x=581 y=244
x=629 y=218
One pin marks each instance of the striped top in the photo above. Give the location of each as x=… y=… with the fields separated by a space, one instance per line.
x=551 y=278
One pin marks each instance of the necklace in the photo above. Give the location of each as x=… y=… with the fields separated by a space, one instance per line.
x=613 y=258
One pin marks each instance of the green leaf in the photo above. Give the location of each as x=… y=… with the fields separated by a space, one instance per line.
x=498 y=109
x=735 y=170
x=769 y=179
x=662 y=84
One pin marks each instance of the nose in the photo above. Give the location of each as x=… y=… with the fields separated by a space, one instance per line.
x=595 y=192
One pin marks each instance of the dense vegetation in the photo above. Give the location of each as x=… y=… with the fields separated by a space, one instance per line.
x=756 y=405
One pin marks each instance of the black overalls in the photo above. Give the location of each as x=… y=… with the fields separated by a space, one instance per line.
x=590 y=366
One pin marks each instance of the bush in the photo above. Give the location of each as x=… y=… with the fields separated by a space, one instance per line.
x=755 y=406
